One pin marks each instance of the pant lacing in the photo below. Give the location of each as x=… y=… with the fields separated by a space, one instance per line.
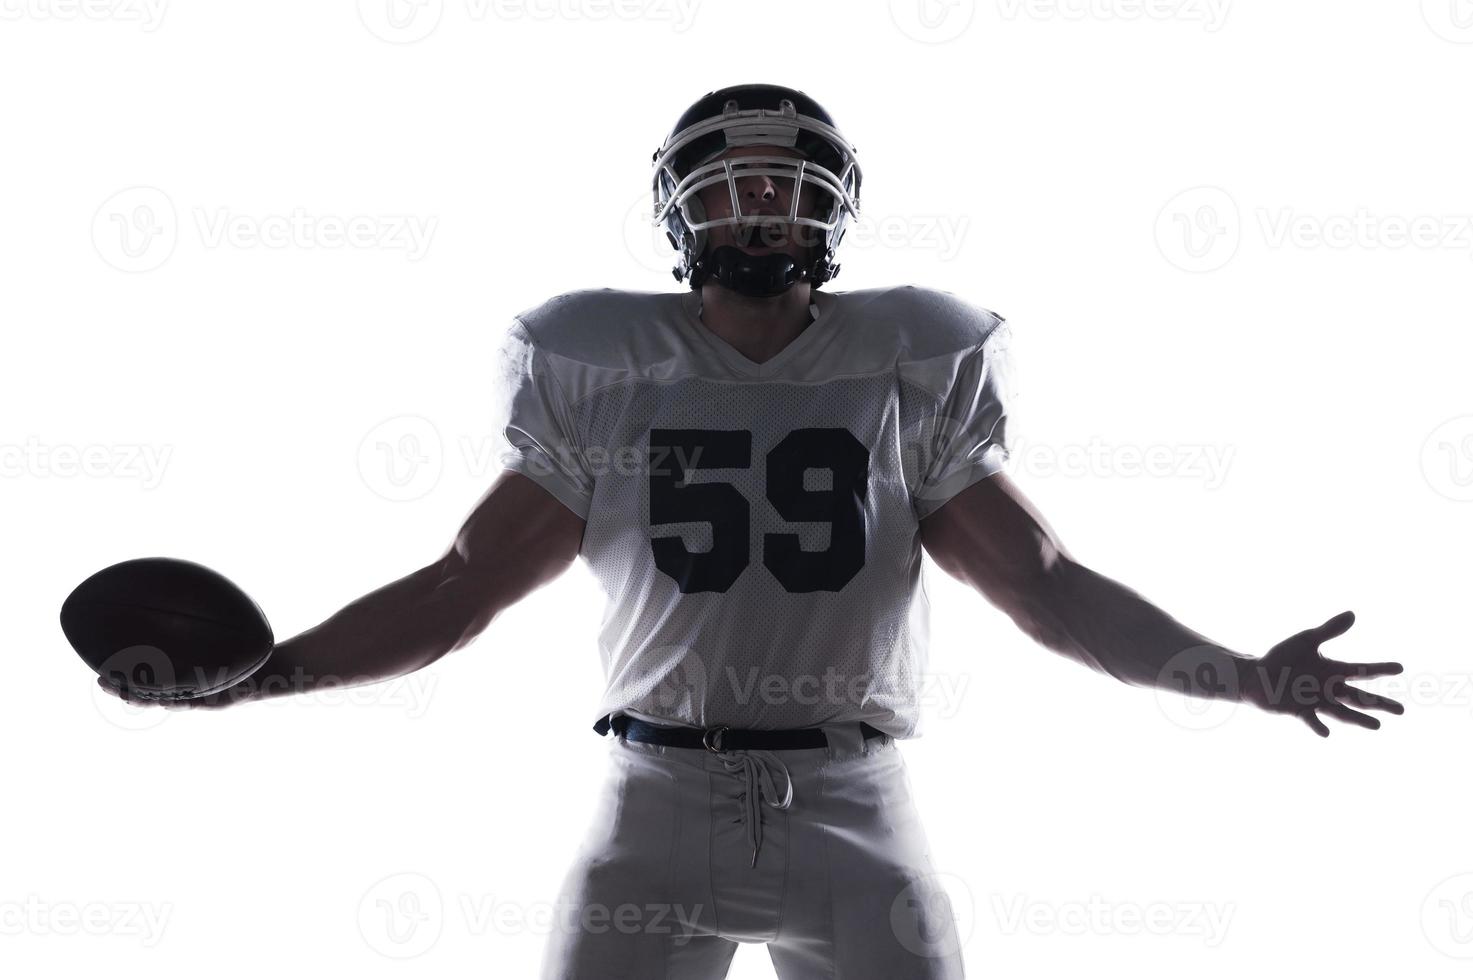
x=756 y=768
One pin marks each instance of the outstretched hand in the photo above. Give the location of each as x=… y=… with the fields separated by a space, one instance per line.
x=1295 y=678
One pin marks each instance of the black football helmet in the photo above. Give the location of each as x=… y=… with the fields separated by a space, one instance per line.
x=754 y=115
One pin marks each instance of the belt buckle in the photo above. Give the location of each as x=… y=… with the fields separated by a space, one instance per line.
x=711 y=738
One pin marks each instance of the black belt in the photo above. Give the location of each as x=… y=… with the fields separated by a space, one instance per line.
x=723 y=739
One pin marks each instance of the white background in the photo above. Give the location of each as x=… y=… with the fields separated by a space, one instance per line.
x=1233 y=238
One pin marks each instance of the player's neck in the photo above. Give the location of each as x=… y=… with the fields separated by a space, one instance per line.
x=758 y=327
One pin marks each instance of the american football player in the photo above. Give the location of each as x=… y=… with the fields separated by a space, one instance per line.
x=753 y=467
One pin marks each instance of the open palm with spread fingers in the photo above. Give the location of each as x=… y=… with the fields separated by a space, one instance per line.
x=1295 y=678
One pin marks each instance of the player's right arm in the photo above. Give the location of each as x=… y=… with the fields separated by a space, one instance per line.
x=518 y=538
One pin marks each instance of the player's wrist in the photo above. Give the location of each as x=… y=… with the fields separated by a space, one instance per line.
x=278 y=677
x=1252 y=686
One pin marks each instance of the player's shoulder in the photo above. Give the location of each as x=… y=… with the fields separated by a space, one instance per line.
x=923 y=322
x=579 y=323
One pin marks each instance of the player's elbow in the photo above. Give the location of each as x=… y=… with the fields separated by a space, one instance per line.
x=1036 y=594
x=1009 y=566
x=465 y=598
x=1029 y=581
x=469 y=593
x=1025 y=587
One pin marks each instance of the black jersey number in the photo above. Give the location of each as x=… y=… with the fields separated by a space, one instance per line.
x=722 y=506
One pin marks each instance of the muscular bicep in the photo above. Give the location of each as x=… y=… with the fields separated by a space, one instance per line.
x=518 y=538
x=992 y=537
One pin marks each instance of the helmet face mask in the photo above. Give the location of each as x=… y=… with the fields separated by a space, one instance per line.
x=799 y=152
x=819 y=190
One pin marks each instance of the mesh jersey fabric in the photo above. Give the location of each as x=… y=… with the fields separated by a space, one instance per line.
x=753 y=526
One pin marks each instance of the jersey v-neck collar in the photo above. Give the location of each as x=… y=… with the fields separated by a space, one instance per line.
x=822 y=310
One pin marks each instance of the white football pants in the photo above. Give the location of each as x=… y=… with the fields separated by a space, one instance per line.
x=819 y=853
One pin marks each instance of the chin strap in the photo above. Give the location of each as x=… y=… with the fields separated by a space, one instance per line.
x=750 y=275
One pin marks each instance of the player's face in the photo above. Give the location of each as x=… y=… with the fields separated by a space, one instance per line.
x=762 y=195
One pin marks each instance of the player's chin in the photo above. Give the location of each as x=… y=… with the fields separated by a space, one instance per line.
x=768 y=250
x=791 y=249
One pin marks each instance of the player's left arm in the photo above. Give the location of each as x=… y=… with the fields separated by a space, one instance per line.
x=994 y=539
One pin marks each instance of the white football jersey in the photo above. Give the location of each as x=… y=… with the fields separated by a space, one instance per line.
x=754 y=527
